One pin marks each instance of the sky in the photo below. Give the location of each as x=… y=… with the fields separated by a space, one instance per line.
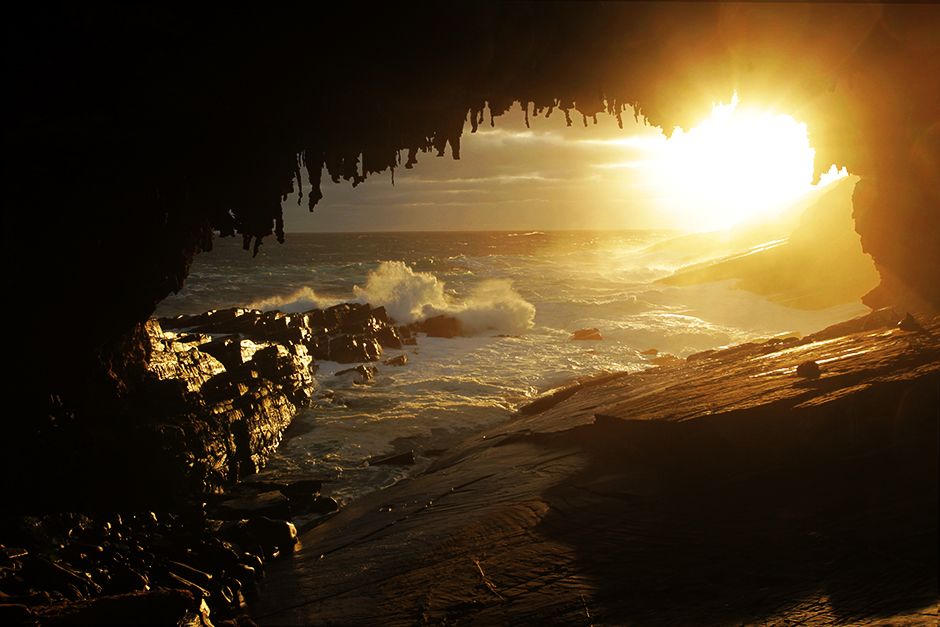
x=508 y=177
x=737 y=163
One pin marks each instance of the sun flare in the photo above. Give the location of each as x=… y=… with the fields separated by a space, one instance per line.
x=738 y=164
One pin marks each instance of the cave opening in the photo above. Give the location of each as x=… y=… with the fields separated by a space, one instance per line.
x=168 y=369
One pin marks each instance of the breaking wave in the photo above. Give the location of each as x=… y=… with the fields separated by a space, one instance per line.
x=409 y=296
x=303 y=299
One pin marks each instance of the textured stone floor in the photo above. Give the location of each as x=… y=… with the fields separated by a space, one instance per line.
x=723 y=489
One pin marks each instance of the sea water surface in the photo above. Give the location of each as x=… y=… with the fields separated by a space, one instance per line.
x=520 y=294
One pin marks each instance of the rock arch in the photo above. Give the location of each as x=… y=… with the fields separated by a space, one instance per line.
x=133 y=135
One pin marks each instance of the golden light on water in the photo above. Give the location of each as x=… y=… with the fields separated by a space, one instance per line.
x=739 y=164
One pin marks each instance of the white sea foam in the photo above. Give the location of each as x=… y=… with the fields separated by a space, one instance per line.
x=302 y=299
x=457 y=386
x=408 y=296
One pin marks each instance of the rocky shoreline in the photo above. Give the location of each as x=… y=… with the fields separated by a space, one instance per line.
x=220 y=389
x=202 y=407
x=738 y=486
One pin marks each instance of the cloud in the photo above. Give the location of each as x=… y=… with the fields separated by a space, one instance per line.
x=622 y=165
x=498 y=178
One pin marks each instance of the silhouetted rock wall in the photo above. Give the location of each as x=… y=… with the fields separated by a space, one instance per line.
x=133 y=135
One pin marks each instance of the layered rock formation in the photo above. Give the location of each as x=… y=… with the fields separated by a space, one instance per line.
x=189 y=411
x=720 y=489
x=219 y=422
x=135 y=135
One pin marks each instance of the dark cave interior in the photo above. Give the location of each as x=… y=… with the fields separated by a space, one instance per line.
x=136 y=133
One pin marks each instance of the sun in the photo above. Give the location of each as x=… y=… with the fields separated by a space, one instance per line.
x=737 y=165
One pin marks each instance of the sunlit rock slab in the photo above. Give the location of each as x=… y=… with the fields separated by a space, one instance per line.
x=723 y=489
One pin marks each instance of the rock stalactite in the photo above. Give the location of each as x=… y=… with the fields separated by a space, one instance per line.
x=134 y=135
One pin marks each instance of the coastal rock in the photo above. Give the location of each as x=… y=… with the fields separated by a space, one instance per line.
x=324 y=505
x=665 y=359
x=439 y=326
x=363 y=374
x=159 y=607
x=883 y=318
x=701 y=355
x=269 y=534
x=347 y=333
x=910 y=323
x=231 y=351
x=272 y=504
x=16 y=614
x=398 y=360
x=347 y=349
x=388 y=337
x=347 y=315
x=290 y=366
x=207 y=423
x=721 y=467
x=80 y=568
x=309 y=501
x=302 y=488
x=400 y=459
x=809 y=370
x=217 y=321
x=586 y=334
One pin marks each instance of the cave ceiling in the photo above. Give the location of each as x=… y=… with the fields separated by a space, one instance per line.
x=137 y=132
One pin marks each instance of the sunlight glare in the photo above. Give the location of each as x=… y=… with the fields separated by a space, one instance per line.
x=739 y=164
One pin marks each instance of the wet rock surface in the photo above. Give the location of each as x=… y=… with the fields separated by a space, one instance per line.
x=438 y=326
x=129 y=568
x=808 y=369
x=400 y=459
x=586 y=334
x=217 y=422
x=398 y=360
x=361 y=374
x=345 y=333
x=199 y=567
x=205 y=404
x=720 y=489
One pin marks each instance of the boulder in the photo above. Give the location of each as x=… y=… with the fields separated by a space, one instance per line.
x=586 y=334
x=665 y=360
x=214 y=423
x=290 y=367
x=910 y=323
x=272 y=504
x=157 y=607
x=346 y=314
x=809 y=370
x=364 y=374
x=388 y=337
x=302 y=488
x=16 y=614
x=347 y=349
x=440 y=326
x=324 y=505
x=398 y=360
x=232 y=351
x=270 y=534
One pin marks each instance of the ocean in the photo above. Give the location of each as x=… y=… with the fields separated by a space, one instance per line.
x=520 y=295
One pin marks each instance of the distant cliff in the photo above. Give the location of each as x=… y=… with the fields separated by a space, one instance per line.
x=820 y=264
